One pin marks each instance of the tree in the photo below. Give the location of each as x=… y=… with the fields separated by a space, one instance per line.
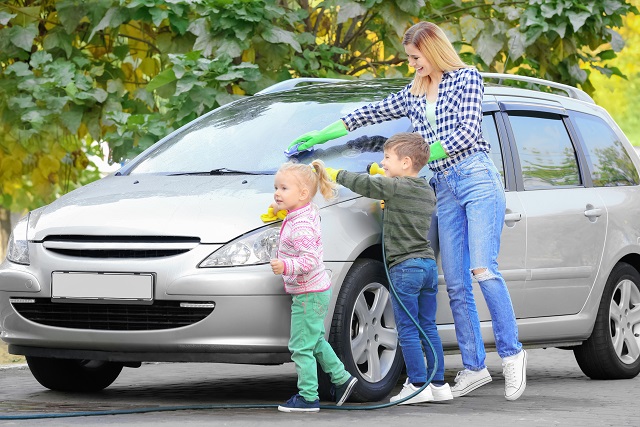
x=127 y=72
x=620 y=94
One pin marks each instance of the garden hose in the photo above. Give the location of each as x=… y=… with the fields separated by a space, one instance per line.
x=249 y=405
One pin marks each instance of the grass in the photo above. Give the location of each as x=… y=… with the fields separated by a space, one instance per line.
x=6 y=358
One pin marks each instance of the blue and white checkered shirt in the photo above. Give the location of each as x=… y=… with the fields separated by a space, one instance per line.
x=458 y=115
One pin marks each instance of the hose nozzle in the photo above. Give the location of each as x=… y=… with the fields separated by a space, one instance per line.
x=374 y=169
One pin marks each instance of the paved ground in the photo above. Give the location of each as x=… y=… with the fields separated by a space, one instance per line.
x=557 y=394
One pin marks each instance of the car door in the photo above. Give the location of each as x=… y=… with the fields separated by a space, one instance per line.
x=511 y=259
x=566 y=220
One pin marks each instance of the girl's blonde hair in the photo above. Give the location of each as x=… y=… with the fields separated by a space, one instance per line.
x=314 y=177
x=433 y=43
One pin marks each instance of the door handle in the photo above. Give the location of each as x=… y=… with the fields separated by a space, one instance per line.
x=512 y=217
x=593 y=213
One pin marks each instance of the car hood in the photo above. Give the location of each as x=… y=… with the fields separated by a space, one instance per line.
x=214 y=208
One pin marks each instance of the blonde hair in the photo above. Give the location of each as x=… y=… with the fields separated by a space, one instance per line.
x=314 y=177
x=411 y=145
x=433 y=43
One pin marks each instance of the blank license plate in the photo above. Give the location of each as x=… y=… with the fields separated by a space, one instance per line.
x=112 y=286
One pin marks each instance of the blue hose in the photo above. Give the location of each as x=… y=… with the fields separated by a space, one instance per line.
x=249 y=406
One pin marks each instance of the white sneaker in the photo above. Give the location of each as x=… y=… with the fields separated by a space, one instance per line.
x=441 y=393
x=515 y=375
x=408 y=389
x=467 y=381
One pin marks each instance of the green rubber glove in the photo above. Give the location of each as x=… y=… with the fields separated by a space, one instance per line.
x=333 y=173
x=437 y=152
x=309 y=139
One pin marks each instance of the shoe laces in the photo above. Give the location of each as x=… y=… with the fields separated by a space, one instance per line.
x=509 y=372
x=461 y=375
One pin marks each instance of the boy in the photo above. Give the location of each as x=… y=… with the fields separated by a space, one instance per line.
x=409 y=203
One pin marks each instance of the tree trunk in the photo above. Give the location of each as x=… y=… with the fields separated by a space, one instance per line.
x=5 y=231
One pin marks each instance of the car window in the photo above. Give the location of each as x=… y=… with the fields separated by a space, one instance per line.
x=490 y=134
x=609 y=162
x=252 y=136
x=547 y=156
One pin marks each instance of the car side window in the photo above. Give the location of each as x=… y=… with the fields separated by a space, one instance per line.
x=609 y=162
x=547 y=156
x=490 y=134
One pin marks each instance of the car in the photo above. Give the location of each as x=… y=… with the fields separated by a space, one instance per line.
x=167 y=259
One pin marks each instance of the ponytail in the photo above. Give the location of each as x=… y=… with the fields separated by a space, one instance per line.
x=327 y=187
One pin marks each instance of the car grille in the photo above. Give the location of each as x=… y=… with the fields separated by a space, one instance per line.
x=119 y=246
x=113 y=317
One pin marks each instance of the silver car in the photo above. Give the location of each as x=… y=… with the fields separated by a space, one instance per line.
x=167 y=259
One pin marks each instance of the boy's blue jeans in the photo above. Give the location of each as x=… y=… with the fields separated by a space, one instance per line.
x=471 y=207
x=308 y=346
x=416 y=283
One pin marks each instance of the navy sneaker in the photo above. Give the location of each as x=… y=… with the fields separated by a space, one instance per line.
x=342 y=392
x=298 y=403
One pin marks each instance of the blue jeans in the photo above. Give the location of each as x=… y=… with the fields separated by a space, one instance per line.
x=416 y=283
x=471 y=206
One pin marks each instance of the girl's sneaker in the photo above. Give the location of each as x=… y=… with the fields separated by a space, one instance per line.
x=342 y=392
x=298 y=403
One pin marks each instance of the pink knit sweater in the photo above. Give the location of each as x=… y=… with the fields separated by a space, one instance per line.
x=300 y=248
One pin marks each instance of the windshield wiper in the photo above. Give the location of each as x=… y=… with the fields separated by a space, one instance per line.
x=225 y=171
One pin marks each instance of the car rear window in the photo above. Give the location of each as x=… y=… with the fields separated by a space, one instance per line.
x=609 y=162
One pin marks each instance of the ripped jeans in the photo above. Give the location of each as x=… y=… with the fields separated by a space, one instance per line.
x=471 y=207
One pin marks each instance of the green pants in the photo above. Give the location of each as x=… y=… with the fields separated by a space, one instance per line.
x=308 y=346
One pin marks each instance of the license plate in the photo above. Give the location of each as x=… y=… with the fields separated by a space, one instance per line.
x=109 y=286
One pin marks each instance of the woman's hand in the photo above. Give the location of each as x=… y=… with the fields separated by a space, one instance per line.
x=309 y=139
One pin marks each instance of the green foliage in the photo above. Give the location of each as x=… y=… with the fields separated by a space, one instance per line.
x=620 y=95
x=77 y=73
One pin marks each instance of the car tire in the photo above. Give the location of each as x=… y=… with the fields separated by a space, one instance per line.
x=613 y=349
x=73 y=375
x=364 y=335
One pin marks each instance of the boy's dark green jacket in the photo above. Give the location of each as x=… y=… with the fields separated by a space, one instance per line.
x=408 y=205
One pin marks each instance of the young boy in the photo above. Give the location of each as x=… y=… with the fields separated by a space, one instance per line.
x=409 y=202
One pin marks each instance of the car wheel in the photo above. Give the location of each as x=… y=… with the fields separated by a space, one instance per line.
x=364 y=334
x=613 y=349
x=73 y=375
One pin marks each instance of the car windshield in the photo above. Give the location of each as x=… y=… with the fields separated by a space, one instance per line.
x=251 y=136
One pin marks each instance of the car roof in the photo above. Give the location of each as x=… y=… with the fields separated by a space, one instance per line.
x=495 y=84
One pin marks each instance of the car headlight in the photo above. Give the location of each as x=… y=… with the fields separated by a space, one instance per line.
x=18 y=248
x=254 y=248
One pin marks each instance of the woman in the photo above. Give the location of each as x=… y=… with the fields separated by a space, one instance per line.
x=444 y=103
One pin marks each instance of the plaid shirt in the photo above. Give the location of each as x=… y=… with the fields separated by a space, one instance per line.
x=458 y=115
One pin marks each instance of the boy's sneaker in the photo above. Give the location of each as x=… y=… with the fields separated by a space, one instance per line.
x=342 y=392
x=408 y=389
x=467 y=381
x=298 y=403
x=515 y=375
x=441 y=393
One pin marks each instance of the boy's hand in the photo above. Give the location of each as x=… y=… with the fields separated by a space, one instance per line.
x=333 y=173
x=277 y=266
